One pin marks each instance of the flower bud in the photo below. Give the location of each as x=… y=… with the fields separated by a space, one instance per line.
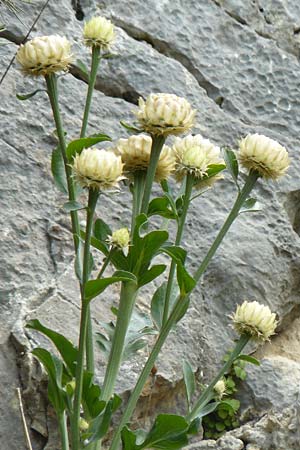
x=97 y=169
x=254 y=319
x=83 y=424
x=45 y=55
x=266 y=156
x=220 y=388
x=135 y=153
x=194 y=156
x=163 y=114
x=120 y=238
x=98 y=32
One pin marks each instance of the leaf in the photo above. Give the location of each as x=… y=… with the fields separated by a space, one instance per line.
x=186 y=282
x=168 y=432
x=230 y=405
x=178 y=254
x=249 y=359
x=250 y=205
x=101 y=424
x=161 y=207
x=58 y=170
x=214 y=169
x=128 y=439
x=207 y=409
x=151 y=274
x=130 y=127
x=31 y=94
x=231 y=164
x=54 y=368
x=68 y=351
x=80 y=64
x=101 y=230
x=158 y=302
x=91 y=393
x=78 y=145
x=73 y=206
x=110 y=55
x=189 y=381
x=95 y=287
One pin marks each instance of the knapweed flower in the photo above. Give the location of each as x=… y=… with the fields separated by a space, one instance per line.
x=194 y=156
x=45 y=55
x=98 y=32
x=220 y=388
x=120 y=238
x=266 y=156
x=254 y=319
x=163 y=114
x=98 y=169
x=135 y=153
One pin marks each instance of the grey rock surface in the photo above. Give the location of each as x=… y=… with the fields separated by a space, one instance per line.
x=242 y=74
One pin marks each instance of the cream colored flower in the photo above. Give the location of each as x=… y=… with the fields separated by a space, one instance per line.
x=45 y=55
x=268 y=157
x=163 y=114
x=220 y=388
x=120 y=238
x=135 y=153
x=97 y=169
x=195 y=155
x=254 y=319
x=83 y=424
x=98 y=32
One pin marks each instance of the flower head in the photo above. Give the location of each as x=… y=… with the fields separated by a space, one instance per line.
x=266 y=156
x=97 y=169
x=45 y=55
x=163 y=114
x=220 y=388
x=98 y=32
x=135 y=153
x=120 y=238
x=254 y=319
x=196 y=155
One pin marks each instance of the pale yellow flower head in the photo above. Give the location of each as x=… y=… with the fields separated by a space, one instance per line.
x=164 y=114
x=120 y=238
x=266 y=156
x=135 y=153
x=45 y=55
x=83 y=424
x=254 y=319
x=98 y=32
x=98 y=169
x=220 y=388
x=194 y=155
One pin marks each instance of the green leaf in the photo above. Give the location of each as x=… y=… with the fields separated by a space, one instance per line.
x=151 y=274
x=207 y=409
x=58 y=170
x=231 y=164
x=178 y=254
x=110 y=55
x=189 y=381
x=96 y=287
x=186 y=282
x=73 y=206
x=130 y=127
x=158 y=302
x=80 y=64
x=68 y=351
x=250 y=205
x=230 y=405
x=128 y=439
x=101 y=230
x=214 y=169
x=31 y=94
x=169 y=432
x=54 y=368
x=91 y=393
x=161 y=207
x=78 y=145
x=249 y=359
x=101 y=424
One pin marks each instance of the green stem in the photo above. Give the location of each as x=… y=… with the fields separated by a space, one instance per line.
x=83 y=337
x=244 y=193
x=186 y=202
x=127 y=301
x=206 y=396
x=138 y=189
x=157 y=145
x=92 y=81
x=52 y=91
x=62 y=422
x=105 y=264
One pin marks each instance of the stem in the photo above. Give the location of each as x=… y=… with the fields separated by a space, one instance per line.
x=157 y=145
x=127 y=300
x=52 y=91
x=205 y=397
x=177 y=311
x=248 y=186
x=138 y=189
x=62 y=421
x=92 y=80
x=186 y=202
x=83 y=338
x=105 y=264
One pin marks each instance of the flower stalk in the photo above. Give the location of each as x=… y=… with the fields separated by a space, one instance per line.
x=137 y=194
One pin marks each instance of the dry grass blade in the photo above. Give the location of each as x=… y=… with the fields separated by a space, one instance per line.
x=28 y=442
